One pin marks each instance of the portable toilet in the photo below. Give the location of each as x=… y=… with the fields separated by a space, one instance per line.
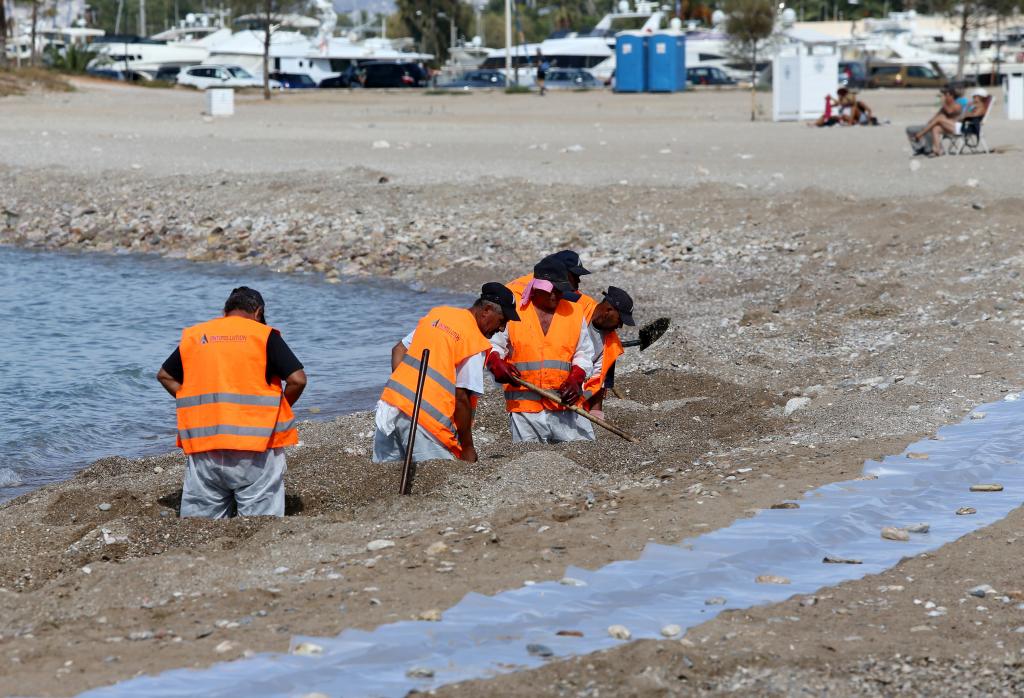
x=631 y=62
x=666 y=62
x=801 y=77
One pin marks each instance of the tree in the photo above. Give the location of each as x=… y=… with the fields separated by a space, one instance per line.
x=268 y=30
x=430 y=32
x=969 y=16
x=3 y=34
x=750 y=24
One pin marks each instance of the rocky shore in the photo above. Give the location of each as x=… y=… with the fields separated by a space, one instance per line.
x=811 y=329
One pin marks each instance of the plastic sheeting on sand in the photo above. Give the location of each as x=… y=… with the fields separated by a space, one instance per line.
x=485 y=635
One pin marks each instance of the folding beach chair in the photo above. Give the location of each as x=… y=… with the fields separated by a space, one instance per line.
x=970 y=137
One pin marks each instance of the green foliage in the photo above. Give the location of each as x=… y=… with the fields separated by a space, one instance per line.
x=74 y=59
x=431 y=32
x=750 y=22
x=517 y=90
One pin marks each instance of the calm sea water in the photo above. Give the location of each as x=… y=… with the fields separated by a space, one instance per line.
x=84 y=334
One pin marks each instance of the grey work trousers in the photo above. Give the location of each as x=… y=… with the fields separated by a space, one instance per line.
x=222 y=484
x=549 y=427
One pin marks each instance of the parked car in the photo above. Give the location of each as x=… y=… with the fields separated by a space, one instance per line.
x=342 y=80
x=906 y=75
x=389 y=74
x=294 y=81
x=708 y=75
x=476 y=79
x=853 y=74
x=167 y=73
x=206 y=76
x=570 y=79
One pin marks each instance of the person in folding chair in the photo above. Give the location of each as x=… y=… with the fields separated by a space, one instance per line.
x=968 y=136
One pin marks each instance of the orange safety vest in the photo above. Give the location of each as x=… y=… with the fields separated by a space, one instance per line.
x=225 y=401
x=544 y=359
x=612 y=350
x=452 y=336
x=519 y=285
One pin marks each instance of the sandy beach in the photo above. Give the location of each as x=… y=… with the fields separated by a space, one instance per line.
x=793 y=262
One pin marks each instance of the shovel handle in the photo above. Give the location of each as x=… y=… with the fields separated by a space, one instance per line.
x=555 y=397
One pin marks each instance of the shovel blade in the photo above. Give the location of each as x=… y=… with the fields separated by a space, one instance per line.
x=652 y=332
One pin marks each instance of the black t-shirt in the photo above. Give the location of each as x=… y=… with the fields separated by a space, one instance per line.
x=281 y=362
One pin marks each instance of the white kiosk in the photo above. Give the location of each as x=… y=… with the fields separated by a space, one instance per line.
x=802 y=75
x=220 y=101
x=1013 y=96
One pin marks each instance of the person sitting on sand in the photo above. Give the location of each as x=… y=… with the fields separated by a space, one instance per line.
x=234 y=417
x=927 y=139
x=827 y=118
x=458 y=342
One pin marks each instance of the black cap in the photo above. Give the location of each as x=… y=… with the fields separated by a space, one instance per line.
x=494 y=292
x=248 y=299
x=571 y=260
x=553 y=270
x=620 y=300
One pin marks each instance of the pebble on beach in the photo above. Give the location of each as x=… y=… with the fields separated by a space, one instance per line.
x=308 y=649
x=771 y=579
x=224 y=647
x=420 y=672
x=833 y=560
x=380 y=544
x=715 y=601
x=104 y=506
x=893 y=533
x=966 y=511
x=619 y=632
x=987 y=488
x=918 y=528
x=539 y=650
x=794 y=404
x=786 y=505
x=438 y=548
x=671 y=631
x=917 y=456
x=433 y=615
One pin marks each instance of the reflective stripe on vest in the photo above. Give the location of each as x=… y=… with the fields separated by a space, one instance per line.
x=225 y=401
x=452 y=336
x=431 y=372
x=424 y=405
x=544 y=359
x=546 y=363
x=233 y=398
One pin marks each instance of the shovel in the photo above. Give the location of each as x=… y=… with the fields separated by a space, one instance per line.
x=649 y=334
x=555 y=397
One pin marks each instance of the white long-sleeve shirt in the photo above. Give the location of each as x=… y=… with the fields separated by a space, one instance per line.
x=582 y=357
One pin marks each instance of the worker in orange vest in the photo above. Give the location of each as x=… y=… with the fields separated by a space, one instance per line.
x=575 y=269
x=614 y=311
x=550 y=347
x=458 y=342
x=234 y=416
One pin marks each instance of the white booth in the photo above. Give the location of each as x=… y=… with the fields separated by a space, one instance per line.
x=220 y=101
x=1013 y=96
x=802 y=75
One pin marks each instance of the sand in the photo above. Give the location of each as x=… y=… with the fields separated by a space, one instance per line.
x=792 y=262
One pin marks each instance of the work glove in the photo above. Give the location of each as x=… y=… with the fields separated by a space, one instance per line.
x=572 y=388
x=504 y=371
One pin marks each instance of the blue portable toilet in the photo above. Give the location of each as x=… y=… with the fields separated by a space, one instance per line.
x=631 y=62
x=666 y=62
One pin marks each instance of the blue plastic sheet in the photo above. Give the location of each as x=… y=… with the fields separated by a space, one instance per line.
x=485 y=635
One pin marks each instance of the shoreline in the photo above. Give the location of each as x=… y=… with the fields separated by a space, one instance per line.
x=884 y=309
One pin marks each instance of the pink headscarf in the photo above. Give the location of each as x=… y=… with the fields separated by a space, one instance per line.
x=534 y=285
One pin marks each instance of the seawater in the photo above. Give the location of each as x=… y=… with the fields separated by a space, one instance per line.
x=84 y=334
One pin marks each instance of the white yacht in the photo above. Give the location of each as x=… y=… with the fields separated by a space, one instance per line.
x=595 y=49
